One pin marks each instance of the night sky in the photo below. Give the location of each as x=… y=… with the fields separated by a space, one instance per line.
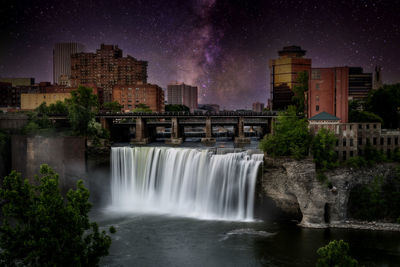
x=221 y=46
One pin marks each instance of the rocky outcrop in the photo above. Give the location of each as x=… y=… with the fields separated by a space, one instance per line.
x=293 y=185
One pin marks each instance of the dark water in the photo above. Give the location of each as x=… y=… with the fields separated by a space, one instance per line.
x=150 y=240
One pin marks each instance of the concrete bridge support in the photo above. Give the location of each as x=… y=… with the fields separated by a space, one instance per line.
x=176 y=132
x=142 y=136
x=240 y=138
x=208 y=140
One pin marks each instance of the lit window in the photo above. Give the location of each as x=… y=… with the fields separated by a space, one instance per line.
x=317 y=98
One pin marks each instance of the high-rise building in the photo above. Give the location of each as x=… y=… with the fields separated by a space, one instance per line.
x=130 y=96
x=328 y=92
x=182 y=94
x=284 y=74
x=106 y=68
x=62 y=60
x=258 y=107
x=360 y=83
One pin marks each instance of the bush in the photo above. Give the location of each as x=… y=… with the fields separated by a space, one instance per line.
x=323 y=149
x=40 y=228
x=335 y=254
x=356 y=162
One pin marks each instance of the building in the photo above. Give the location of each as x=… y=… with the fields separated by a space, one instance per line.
x=131 y=95
x=378 y=83
x=107 y=68
x=10 y=96
x=31 y=101
x=284 y=74
x=19 y=81
x=360 y=84
x=258 y=107
x=62 y=53
x=328 y=92
x=183 y=94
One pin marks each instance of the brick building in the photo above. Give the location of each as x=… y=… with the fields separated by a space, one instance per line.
x=360 y=84
x=10 y=96
x=32 y=101
x=106 y=68
x=258 y=107
x=284 y=74
x=131 y=95
x=328 y=92
x=183 y=94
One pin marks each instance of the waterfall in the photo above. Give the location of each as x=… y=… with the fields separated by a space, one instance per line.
x=184 y=182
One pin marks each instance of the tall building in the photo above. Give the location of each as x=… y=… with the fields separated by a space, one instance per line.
x=328 y=92
x=132 y=95
x=258 y=107
x=377 y=78
x=182 y=94
x=284 y=74
x=106 y=68
x=62 y=60
x=360 y=83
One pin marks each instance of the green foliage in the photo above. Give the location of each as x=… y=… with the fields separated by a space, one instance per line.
x=372 y=155
x=291 y=136
x=356 y=162
x=335 y=254
x=41 y=228
x=385 y=102
x=142 y=108
x=323 y=149
x=364 y=116
x=59 y=108
x=300 y=91
x=82 y=108
x=175 y=107
x=113 y=106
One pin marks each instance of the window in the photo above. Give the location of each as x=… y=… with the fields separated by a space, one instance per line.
x=351 y=142
x=344 y=141
x=315 y=74
x=317 y=98
x=374 y=126
x=374 y=140
x=389 y=141
x=367 y=126
x=359 y=141
x=396 y=141
x=351 y=154
x=337 y=142
x=344 y=155
x=317 y=86
x=317 y=108
x=382 y=141
x=360 y=126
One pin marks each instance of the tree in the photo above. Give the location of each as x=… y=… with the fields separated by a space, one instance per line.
x=142 y=108
x=291 y=136
x=82 y=108
x=323 y=149
x=335 y=254
x=364 y=116
x=113 y=106
x=385 y=103
x=59 y=108
x=300 y=92
x=175 y=107
x=40 y=228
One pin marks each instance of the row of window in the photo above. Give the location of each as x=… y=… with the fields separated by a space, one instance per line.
x=368 y=141
x=360 y=153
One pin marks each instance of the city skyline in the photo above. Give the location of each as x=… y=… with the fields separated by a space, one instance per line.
x=223 y=47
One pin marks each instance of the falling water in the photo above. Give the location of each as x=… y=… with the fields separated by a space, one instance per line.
x=184 y=182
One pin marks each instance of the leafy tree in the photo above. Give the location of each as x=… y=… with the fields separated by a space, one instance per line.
x=291 y=136
x=142 y=108
x=300 y=91
x=40 y=228
x=175 y=107
x=364 y=116
x=335 y=254
x=385 y=102
x=82 y=108
x=323 y=149
x=59 y=108
x=113 y=106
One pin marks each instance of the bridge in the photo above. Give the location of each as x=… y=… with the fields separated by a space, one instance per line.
x=145 y=124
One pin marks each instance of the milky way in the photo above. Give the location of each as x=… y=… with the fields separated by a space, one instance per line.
x=223 y=47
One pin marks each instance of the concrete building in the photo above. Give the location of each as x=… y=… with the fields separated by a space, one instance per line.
x=258 y=107
x=18 y=81
x=378 y=83
x=33 y=100
x=183 y=94
x=106 y=68
x=62 y=53
x=360 y=83
x=284 y=74
x=131 y=95
x=328 y=92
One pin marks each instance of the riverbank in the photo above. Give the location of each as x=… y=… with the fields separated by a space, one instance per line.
x=358 y=225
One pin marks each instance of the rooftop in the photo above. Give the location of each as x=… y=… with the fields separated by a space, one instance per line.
x=324 y=116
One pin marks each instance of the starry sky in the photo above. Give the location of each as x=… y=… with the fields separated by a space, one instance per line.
x=222 y=46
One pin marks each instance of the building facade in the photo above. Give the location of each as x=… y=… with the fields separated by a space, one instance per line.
x=378 y=83
x=107 y=68
x=131 y=95
x=360 y=84
x=328 y=92
x=284 y=72
x=33 y=100
x=183 y=94
x=19 y=81
x=10 y=96
x=258 y=107
x=62 y=53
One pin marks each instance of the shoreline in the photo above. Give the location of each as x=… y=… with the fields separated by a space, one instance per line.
x=357 y=225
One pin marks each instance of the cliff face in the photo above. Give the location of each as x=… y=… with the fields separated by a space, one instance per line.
x=293 y=185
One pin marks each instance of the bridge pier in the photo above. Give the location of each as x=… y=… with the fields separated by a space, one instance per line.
x=176 y=133
x=142 y=137
x=208 y=140
x=241 y=139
